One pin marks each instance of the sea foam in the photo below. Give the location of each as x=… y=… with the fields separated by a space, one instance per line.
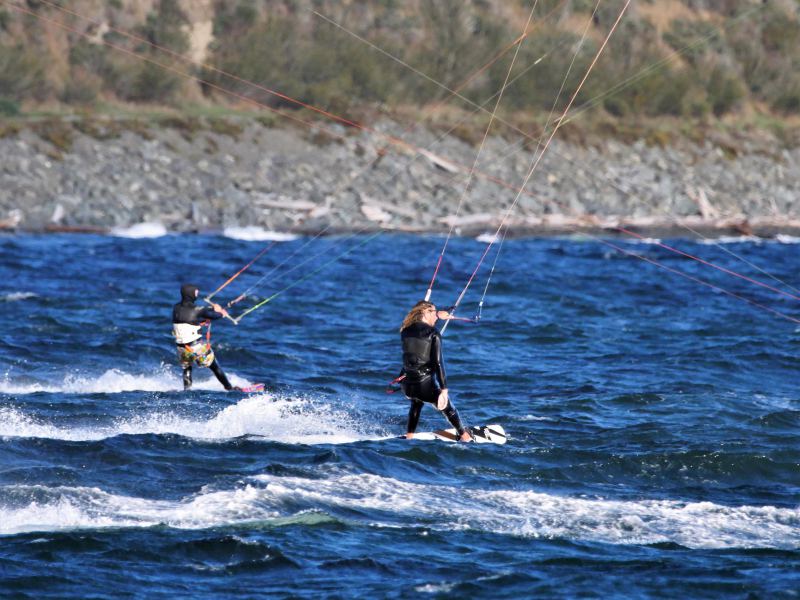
x=389 y=502
x=731 y=239
x=536 y=514
x=263 y=416
x=17 y=296
x=113 y=381
x=257 y=234
x=787 y=239
x=141 y=231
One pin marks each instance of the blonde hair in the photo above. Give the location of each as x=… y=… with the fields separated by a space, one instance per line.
x=416 y=312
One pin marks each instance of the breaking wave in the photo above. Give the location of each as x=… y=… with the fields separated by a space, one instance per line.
x=388 y=502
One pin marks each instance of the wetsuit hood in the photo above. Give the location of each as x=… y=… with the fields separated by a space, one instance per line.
x=189 y=292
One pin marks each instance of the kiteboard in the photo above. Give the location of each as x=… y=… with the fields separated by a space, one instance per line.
x=251 y=389
x=485 y=434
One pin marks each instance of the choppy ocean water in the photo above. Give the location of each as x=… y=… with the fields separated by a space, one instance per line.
x=653 y=424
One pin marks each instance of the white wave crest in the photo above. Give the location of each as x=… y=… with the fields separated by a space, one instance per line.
x=787 y=239
x=645 y=241
x=257 y=234
x=731 y=239
x=114 y=381
x=141 y=231
x=17 y=296
x=15 y=423
x=486 y=238
x=534 y=514
x=390 y=502
x=287 y=420
x=537 y=418
x=38 y=508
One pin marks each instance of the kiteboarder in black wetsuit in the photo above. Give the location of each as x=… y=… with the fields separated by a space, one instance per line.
x=422 y=359
x=187 y=318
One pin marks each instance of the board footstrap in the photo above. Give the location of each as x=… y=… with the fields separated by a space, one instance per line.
x=490 y=433
x=481 y=434
x=449 y=435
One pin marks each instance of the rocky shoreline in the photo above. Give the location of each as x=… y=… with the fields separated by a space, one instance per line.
x=195 y=175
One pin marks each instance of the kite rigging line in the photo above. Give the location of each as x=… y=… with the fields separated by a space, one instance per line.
x=478 y=155
x=538 y=159
x=343 y=120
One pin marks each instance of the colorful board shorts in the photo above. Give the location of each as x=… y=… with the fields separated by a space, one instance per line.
x=199 y=353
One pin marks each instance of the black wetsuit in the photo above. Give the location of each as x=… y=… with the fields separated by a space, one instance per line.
x=422 y=360
x=186 y=311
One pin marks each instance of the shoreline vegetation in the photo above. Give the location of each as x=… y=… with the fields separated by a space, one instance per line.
x=142 y=111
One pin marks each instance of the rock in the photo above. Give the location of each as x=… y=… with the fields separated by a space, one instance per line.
x=276 y=177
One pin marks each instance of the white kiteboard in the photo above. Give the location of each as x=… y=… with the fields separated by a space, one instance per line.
x=485 y=434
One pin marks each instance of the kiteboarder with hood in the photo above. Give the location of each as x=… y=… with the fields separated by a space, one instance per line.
x=193 y=347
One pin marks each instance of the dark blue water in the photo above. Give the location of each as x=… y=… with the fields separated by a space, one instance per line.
x=653 y=425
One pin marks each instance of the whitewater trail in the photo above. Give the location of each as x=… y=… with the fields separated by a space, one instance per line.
x=288 y=419
x=263 y=416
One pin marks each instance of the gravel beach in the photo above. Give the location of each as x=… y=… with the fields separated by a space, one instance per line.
x=205 y=175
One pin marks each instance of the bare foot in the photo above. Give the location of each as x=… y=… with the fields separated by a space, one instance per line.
x=409 y=436
x=466 y=437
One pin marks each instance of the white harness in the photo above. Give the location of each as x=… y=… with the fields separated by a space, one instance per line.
x=186 y=333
